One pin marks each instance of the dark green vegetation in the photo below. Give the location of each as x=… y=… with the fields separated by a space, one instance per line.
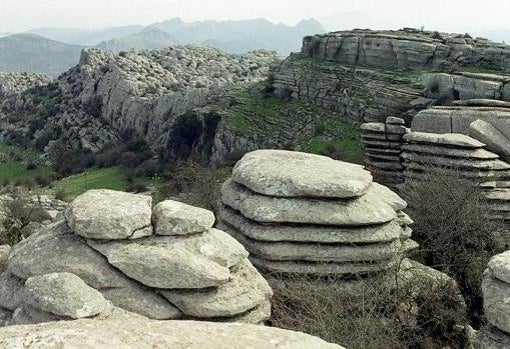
x=290 y=124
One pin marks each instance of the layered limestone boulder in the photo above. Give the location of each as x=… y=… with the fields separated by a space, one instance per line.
x=114 y=255
x=496 y=287
x=141 y=333
x=383 y=146
x=289 y=226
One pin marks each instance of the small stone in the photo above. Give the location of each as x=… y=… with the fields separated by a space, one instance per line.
x=108 y=214
x=175 y=218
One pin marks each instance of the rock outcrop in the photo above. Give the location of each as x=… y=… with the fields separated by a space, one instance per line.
x=146 y=95
x=289 y=224
x=496 y=287
x=112 y=256
x=383 y=146
x=138 y=333
x=409 y=49
x=12 y=83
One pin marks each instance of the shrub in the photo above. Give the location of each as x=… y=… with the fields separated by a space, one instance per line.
x=60 y=195
x=31 y=166
x=136 y=188
x=454 y=227
x=368 y=312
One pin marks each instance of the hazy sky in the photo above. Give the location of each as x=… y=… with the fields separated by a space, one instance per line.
x=448 y=15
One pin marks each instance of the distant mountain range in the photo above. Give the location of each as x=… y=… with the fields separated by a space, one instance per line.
x=54 y=50
x=33 y=53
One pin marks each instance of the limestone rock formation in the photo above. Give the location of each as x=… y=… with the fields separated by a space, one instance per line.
x=496 y=287
x=383 y=146
x=291 y=232
x=141 y=333
x=92 y=266
x=12 y=83
x=144 y=94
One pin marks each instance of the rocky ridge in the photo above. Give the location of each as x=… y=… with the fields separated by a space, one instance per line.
x=13 y=83
x=144 y=95
x=308 y=214
x=112 y=256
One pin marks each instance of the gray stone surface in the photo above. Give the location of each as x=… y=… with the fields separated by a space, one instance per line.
x=294 y=174
x=496 y=302
x=11 y=291
x=368 y=209
x=495 y=140
x=196 y=261
x=108 y=214
x=245 y=290
x=475 y=164
x=499 y=266
x=176 y=218
x=82 y=334
x=27 y=315
x=309 y=233
x=63 y=294
x=4 y=254
x=492 y=338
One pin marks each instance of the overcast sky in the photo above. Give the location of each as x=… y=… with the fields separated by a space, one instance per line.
x=448 y=15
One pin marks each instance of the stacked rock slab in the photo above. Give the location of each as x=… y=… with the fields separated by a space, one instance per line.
x=308 y=214
x=162 y=263
x=383 y=145
x=496 y=288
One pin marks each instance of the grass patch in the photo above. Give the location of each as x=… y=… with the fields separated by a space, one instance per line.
x=102 y=178
x=12 y=171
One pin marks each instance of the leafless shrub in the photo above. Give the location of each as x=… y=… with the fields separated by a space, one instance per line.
x=455 y=230
x=370 y=315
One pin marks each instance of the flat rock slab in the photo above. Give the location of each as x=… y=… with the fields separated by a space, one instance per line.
x=258 y=315
x=193 y=261
x=180 y=334
x=448 y=139
x=495 y=140
x=309 y=233
x=499 y=266
x=338 y=253
x=108 y=214
x=175 y=218
x=63 y=294
x=368 y=209
x=496 y=302
x=469 y=153
x=384 y=128
x=388 y=196
x=475 y=164
x=245 y=290
x=308 y=268
x=392 y=120
x=56 y=249
x=294 y=174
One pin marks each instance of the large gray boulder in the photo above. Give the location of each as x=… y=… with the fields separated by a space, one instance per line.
x=499 y=266
x=63 y=294
x=294 y=174
x=108 y=214
x=175 y=218
x=368 y=209
x=495 y=140
x=60 y=250
x=82 y=334
x=196 y=261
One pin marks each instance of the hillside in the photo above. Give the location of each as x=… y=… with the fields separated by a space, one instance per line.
x=32 y=53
